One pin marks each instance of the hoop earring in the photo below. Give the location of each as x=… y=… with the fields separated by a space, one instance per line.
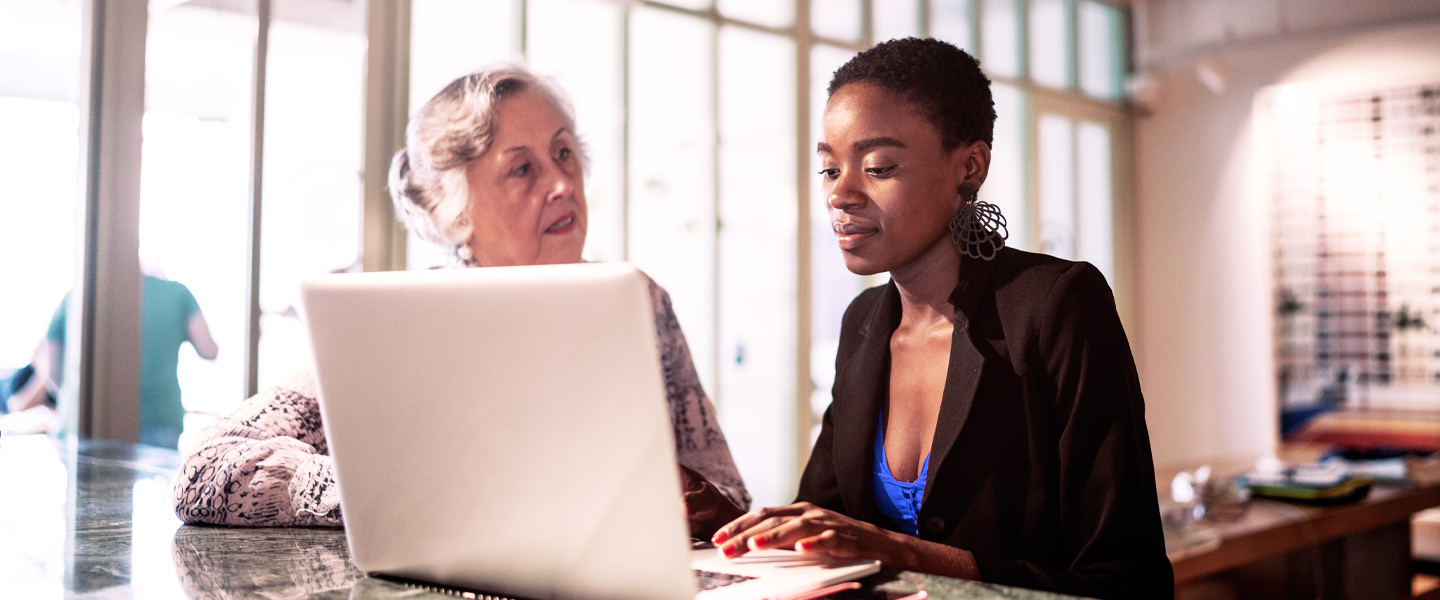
x=978 y=228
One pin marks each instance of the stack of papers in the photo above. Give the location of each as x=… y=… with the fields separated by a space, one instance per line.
x=1329 y=482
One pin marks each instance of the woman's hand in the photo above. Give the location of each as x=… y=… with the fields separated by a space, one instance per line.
x=705 y=507
x=810 y=529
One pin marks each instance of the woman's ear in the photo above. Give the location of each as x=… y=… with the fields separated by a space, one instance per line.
x=972 y=163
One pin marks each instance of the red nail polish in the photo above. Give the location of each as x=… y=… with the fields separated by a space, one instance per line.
x=728 y=550
x=804 y=545
x=719 y=537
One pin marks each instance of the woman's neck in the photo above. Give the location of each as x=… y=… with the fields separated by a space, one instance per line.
x=925 y=285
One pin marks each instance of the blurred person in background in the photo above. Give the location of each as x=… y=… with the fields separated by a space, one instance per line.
x=171 y=317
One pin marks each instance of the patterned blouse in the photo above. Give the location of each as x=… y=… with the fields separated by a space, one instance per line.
x=267 y=464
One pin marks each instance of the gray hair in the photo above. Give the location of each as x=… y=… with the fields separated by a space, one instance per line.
x=456 y=126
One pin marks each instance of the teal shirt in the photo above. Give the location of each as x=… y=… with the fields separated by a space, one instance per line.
x=165 y=325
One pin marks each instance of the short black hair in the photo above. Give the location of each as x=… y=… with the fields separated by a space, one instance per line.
x=944 y=80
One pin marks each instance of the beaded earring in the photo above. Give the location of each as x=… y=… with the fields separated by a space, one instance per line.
x=464 y=256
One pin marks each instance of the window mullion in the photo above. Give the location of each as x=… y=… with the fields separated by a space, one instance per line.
x=804 y=380
x=251 y=367
x=1072 y=47
x=102 y=352
x=715 y=213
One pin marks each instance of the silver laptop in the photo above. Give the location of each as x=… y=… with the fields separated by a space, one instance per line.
x=506 y=430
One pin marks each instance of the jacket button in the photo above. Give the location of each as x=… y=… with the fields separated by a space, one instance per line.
x=934 y=525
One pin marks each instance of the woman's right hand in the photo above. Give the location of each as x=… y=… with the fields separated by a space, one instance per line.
x=810 y=529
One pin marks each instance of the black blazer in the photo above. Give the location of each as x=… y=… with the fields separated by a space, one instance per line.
x=1041 y=462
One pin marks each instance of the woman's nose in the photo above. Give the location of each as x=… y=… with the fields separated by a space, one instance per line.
x=562 y=185
x=843 y=195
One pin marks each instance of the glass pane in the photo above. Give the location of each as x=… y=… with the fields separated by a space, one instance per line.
x=1057 y=186
x=39 y=123
x=835 y=19
x=1096 y=202
x=950 y=20
x=1000 y=36
x=593 y=80
x=1049 y=43
x=1005 y=186
x=311 y=222
x=39 y=155
x=672 y=169
x=771 y=13
x=757 y=259
x=832 y=286
x=892 y=19
x=449 y=38
x=198 y=95
x=1100 y=48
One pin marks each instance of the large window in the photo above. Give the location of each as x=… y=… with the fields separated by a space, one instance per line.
x=195 y=172
x=698 y=114
x=199 y=181
x=198 y=176
x=311 y=184
x=701 y=117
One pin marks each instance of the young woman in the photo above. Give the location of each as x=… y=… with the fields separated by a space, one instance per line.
x=986 y=420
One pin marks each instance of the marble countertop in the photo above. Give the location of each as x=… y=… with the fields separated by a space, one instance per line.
x=93 y=519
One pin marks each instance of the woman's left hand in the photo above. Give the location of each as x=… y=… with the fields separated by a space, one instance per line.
x=810 y=529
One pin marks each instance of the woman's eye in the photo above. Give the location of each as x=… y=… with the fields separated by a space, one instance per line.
x=563 y=154
x=880 y=171
x=521 y=170
x=830 y=174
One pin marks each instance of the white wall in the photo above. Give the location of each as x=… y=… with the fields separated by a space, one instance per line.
x=1203 y=269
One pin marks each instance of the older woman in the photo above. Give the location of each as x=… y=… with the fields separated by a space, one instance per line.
x=986 y=420
x=493 y=169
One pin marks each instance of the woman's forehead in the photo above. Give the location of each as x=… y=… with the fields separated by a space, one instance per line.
x=862 y=111
x=528 y=114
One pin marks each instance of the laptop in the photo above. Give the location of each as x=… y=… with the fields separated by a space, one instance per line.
x=506 y=430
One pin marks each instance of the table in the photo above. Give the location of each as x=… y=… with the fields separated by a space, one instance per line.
x=1284 y=550
x=93 y=519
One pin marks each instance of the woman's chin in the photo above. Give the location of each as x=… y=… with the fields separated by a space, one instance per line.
x=561 y=256
x=861 y=266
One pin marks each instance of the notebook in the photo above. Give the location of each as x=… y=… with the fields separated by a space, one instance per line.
x=506 y=430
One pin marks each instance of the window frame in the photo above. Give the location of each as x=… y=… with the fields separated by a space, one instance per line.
x=383 y=244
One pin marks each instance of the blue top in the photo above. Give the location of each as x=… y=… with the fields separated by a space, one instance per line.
x=164 y=327
x=899 y=500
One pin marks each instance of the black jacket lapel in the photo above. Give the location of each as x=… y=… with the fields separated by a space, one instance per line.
x=863 y=386
x=966 y=365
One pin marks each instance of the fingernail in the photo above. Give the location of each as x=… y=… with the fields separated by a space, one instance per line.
x=728 y=550
x=756 y=542
x=719 y=537
x=804 y=545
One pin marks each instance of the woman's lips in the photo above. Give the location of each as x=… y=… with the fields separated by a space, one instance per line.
x=562 y=226
x=850 y=235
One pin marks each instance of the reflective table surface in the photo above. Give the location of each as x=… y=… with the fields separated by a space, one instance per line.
x=93 y=519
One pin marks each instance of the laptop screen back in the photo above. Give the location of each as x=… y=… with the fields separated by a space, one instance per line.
x=502 y=429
